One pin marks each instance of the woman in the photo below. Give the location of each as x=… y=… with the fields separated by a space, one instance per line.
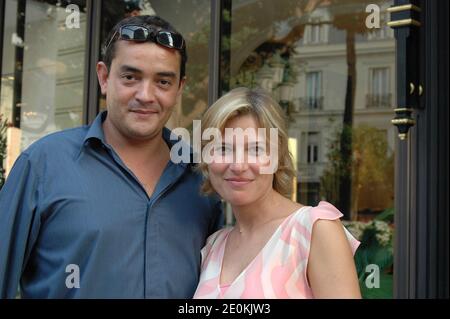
x=277 y=248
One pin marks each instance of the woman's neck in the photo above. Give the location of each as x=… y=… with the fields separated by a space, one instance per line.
x=271 y=206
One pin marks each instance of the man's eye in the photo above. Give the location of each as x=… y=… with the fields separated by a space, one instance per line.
x=129 y=77
x=165 y=82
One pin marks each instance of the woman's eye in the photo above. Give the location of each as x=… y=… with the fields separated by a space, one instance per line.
x=257 y=150
x=222 y=150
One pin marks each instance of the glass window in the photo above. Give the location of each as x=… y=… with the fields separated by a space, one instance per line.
x=42 y=76
x=345 y=150
x=384 y=31
x=313 y=148
x=314 y=90
x=379 y=93
x=316 y=31
x=317 y=28
x=192 y=19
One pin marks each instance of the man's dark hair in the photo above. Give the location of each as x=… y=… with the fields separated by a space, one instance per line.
x=109 y=52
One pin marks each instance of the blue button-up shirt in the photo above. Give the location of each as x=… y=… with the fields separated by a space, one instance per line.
x=75 y=222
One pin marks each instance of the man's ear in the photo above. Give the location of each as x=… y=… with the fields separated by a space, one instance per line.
x=102 y=75
x=181 y=86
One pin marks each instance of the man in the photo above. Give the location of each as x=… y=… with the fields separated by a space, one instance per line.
x=100 y=211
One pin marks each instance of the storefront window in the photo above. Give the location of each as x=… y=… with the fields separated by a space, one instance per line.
x=192 y=19
x=42 y=76
x=334 y=75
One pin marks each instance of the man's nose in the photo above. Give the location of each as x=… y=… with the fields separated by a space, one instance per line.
x=146 y=93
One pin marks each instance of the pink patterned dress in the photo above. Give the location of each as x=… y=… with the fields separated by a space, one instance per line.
x=279 y=269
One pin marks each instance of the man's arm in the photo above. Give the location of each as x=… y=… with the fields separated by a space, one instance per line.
x=18 y=202
x=218 y=220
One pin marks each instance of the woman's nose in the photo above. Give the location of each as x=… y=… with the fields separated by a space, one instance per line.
x=238 y=167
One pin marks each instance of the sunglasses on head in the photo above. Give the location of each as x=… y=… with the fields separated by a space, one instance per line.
x=139 y=33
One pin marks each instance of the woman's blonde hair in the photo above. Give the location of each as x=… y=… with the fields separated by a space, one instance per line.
x=258 y=103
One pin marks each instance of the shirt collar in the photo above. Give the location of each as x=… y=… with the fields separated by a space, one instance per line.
x=96 y=132
x=96 y=129
x=166 y=134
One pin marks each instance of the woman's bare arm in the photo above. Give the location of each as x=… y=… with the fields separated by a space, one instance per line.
x=331 y=268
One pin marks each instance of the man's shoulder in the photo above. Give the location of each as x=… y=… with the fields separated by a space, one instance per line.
x=192 y=183
x=61 y=141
